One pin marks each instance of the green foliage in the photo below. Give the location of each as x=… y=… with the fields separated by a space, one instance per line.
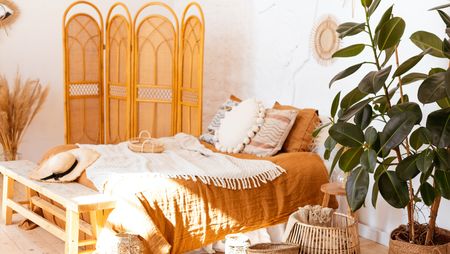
x=419 y=150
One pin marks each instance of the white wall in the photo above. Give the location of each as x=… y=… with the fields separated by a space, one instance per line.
x=257 y=48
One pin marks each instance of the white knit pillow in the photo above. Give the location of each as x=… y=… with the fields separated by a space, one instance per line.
x=239 y=126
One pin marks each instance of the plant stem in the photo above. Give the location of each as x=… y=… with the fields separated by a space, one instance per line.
x=432 y=222
x=410 y=208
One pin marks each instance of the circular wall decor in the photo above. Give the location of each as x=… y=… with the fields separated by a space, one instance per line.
x=325 y=40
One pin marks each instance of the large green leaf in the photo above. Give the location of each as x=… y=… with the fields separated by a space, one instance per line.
x=373 y=7
x=349 y=51
x=335 y=104
x=353 y=110
x=419 y=137
x=444 y=102
x=407 y=168
x=357 y=186
x=368 y=160
x=350 y=159
x=428 y=193
x=425 y=160
x=330 y=143
x=388 y=54
x=375 y=192
x=393 y=190
x=426 y=40
x=447 y=82
x=386 y=17
x=446 y=45
x=438 y=122
x=412 y=107
x=371 y=136
x=374 y=80
x=413 y=77
x=347 y=134
x=396 y=130
x=352 y=97
x=337 y=156
x=409 y=64
x=440 y=7
x=345 y=73
x=444 y=18
x=391 y=33
x=433 y=88
x=442 y=159
x=350 y=29
x=442 y=179
x=364 y=117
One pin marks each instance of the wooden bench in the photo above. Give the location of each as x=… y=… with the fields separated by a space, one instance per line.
x=74 y=197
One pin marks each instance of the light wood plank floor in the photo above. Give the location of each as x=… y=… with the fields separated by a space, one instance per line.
x=14 y=240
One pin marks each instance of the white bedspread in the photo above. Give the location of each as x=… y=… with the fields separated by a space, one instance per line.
x=184 y=157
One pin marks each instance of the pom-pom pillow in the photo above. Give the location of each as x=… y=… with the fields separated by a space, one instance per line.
x=209 y=137
x=270 y=138
x=239 y=126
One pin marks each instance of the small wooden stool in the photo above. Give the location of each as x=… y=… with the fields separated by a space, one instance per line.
x=336 y=189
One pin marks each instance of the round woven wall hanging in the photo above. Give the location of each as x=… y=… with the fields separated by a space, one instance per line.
x=324 y=40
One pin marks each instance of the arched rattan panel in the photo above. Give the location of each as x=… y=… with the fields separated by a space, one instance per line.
x=155 y=71
x=83 y=58
x=118 y=75
x=190 y=87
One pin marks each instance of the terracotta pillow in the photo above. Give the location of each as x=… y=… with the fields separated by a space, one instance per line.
x=300 y=137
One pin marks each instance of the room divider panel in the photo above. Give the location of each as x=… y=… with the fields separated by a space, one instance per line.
x=118 y=74
x=153 y=72
x=83 y=63
x=190 y=87
x=155 y=69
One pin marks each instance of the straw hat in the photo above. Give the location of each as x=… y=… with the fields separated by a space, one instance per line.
x=65 y=166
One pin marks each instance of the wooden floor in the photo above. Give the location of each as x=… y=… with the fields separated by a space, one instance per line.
x=14 y=240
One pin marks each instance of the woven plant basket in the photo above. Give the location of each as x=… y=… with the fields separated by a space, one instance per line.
x=400 y=247
x=341 y=236
x=274 y=248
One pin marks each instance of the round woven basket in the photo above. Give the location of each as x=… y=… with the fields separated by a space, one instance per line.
x=274 y=248
x=400 y=247
x=145 y=144
x=340 y=237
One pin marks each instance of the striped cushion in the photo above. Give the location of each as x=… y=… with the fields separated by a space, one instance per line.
x=215 y=122
x=270 y=138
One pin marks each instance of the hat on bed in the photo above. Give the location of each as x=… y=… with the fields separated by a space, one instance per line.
x=65 y=166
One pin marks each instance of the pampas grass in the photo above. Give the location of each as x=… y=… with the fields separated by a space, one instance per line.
x=18 y=107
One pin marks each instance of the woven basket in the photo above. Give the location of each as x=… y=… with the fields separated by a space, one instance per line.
x=274 y=248
x=400 y=247
x=145 y=144
x=340 y=237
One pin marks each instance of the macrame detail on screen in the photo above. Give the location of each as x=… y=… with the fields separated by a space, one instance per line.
x=152 y=68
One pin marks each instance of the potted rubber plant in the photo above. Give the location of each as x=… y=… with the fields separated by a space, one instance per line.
x=383 y=133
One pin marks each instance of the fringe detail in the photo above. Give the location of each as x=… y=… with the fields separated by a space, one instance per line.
x=233 y=183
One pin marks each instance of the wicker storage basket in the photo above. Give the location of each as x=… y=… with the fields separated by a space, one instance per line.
x=340 y=237
x=274 y=248
x=401 y=247
x=145 y=144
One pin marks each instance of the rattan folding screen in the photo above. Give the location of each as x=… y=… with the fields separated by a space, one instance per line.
x=83 y=63
x=153 y=72
x=118 y=74
x=190 y=89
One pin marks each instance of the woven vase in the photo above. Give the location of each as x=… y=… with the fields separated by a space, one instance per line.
x=127 y=244
x=400 y=247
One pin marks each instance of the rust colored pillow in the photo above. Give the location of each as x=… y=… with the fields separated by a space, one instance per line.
x=300 y=137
